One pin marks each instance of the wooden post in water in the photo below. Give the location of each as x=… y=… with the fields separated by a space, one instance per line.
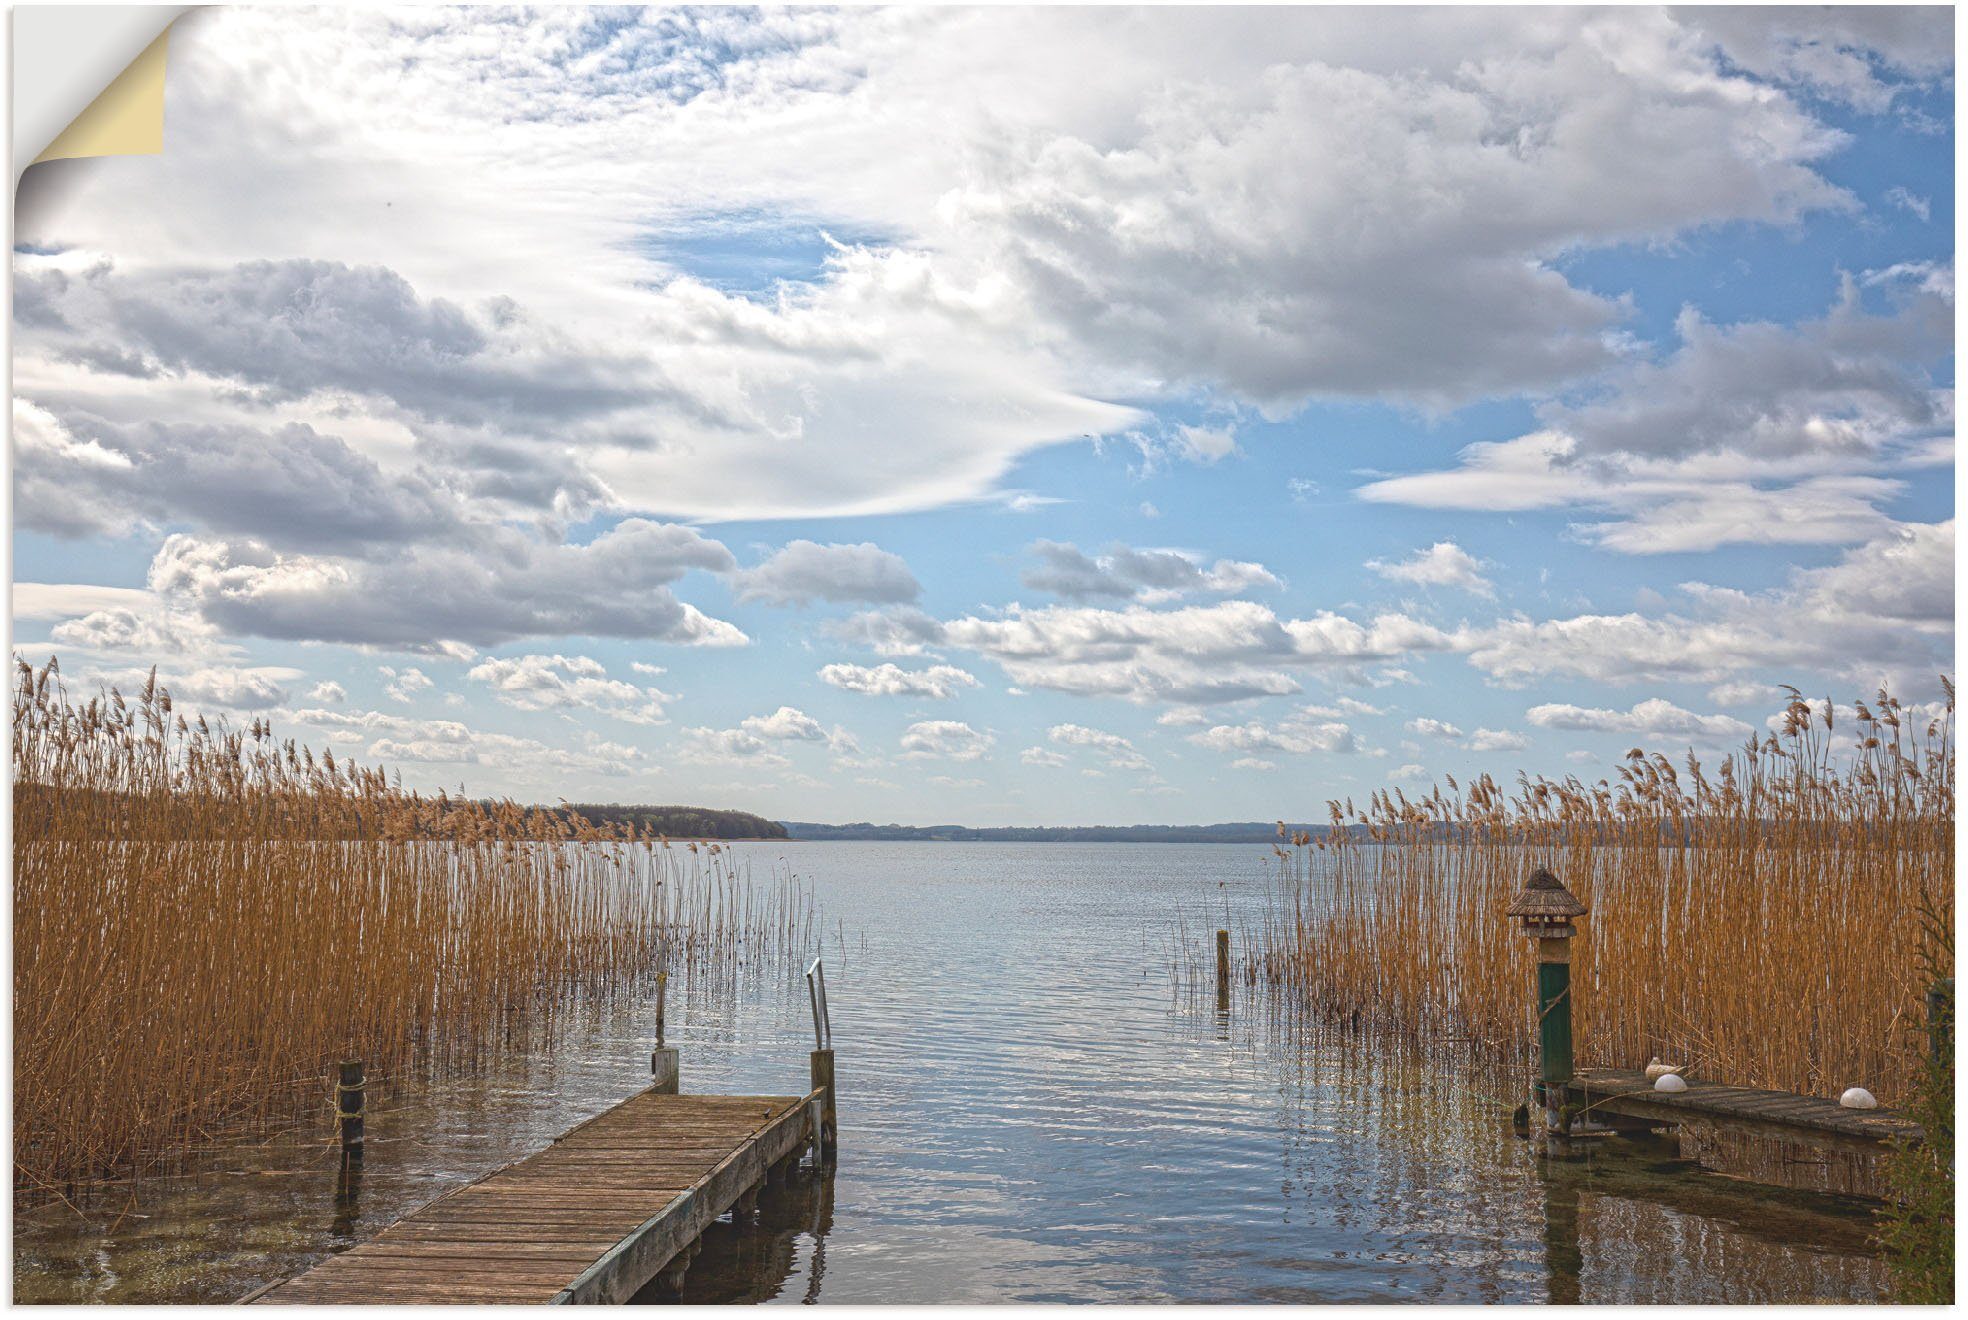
x=823 y=1082
x=348 y=1111
x=1546 y=910
x=665 y=1065
x=1223 y=971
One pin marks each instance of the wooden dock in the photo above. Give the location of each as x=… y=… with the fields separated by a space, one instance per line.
x=1779 y=1115
x=611 y=1205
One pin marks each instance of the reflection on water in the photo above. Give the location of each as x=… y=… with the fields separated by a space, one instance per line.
x=1030 y=1113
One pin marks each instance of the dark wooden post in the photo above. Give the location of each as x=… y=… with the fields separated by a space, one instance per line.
x=822 y=1071
x=1546 y=910
x=1223 y=971
x=665 y=1064
x=1940 y=1021
x=348 y=1110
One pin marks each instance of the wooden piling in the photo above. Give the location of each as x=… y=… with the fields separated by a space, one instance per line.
x=1223 y=964
x=822 y=1073
x=348 y=1110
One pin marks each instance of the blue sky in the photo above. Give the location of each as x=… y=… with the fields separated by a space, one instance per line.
x=891 y=415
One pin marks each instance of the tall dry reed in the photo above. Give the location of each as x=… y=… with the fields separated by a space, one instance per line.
x=206 y=919
x=1760 y=924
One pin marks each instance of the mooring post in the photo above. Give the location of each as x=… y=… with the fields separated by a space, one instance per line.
x=823 y=1081
x=1546 y=910
x=1223 y=964
x=1940 y=1021
x=665 y=1066
x=348 y=1111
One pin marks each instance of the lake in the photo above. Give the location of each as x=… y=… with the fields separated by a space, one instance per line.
x=1033 y=1109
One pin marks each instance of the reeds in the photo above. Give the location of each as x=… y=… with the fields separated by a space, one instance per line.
x=1759 y=924
x=207 y=919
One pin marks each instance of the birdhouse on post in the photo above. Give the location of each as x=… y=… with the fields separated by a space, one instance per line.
x=1545 y=911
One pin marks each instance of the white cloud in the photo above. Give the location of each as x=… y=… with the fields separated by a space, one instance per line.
x=1265 y=208
x=1497 y=740
x=1433 y=728
x=785 y=725
x=563 y=682
x=1205 y=444
x=1253 y=763
x=805 y=571
x=393 y=739
x=1150 y=576
x=888 y=680
x=1196 y=655
x=493 y=585
x=1041 y=757
x=1885 y=611
x=1297 y=735
x=405 y=684
x=1655 y=717
x=1410 y=773
x=1745 y=434
x=327 y=693
x=949 y=739
x=1115 y=750
x=1444 y=564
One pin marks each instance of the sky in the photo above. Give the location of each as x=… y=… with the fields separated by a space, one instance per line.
x=1001 y=416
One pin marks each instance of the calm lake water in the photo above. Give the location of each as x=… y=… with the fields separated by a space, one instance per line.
x=1032 y=1110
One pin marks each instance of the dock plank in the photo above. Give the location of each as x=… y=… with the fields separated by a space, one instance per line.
x=590 y=1218
x=1771 y=1114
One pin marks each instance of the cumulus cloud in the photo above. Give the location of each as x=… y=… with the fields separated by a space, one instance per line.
x=1654 y=717
x=147 y=631
x=1040 y=756
x=1196 y=655
x=390 y=739
x=563 y=682
x=327 y=693
x=1884 y=611
x=1115 y=750
x=497 y=585
x=950 y=740
x=1299 y=734
x=405 y=684
x=804 y=571
x=1497 y=740
x=786 y=724
x=1444 y=564
x=1433 y=728
x=1125 y=573
x=1286 y=207
x=1753 y=433
x=889 y=680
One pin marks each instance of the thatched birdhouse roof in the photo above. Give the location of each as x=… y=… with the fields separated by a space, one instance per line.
x=1544 y=898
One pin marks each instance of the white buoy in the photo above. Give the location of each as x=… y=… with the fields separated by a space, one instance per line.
x=1669 y=1082
x=1858 y=1098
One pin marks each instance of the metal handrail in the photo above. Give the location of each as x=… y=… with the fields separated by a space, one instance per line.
x=816 y=995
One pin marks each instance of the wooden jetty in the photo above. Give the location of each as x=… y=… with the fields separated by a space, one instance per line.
x=1600 y=1093
x=615 y=1203
x=612 y=1204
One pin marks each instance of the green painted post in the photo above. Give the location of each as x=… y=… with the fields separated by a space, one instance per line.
x=1546 y=911
x=1554 y=978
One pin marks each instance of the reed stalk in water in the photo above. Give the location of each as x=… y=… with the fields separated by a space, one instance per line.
x=1758 y=923
x=207 y=919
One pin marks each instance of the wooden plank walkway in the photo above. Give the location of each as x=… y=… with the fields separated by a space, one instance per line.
x=610 y=1205
x=1778 y=1115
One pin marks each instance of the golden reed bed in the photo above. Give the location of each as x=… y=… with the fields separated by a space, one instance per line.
x=1773 y=923
x=206 y=919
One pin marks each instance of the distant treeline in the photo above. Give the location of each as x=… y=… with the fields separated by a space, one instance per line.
x=679 y=822
x=1233 y=832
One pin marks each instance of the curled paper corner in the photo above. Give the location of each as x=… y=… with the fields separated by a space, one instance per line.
x=88 y=81
x=127 y=119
